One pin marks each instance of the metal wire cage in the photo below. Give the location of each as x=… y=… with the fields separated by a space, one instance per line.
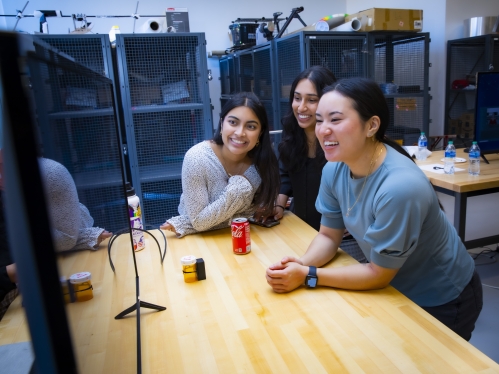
x=466 y=57
x=342 y=53
x=228 y=75
x=167 y=110
x=399 y=63
x=78 y=127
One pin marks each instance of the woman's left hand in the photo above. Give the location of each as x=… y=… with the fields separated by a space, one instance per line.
x=287 y=275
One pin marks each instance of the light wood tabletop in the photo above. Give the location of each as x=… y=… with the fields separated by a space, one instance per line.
x=233 y=321
x=461 y=181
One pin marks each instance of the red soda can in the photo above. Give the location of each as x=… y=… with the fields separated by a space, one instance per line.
x=241 y=241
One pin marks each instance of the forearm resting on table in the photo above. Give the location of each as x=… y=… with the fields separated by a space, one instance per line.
x=353 y=277
x=281 y=200
x=356 y=277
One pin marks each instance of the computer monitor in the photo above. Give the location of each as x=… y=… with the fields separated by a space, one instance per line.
x=487 y=112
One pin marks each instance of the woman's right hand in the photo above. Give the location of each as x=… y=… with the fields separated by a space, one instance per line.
x=278 y=212
x=167 y=226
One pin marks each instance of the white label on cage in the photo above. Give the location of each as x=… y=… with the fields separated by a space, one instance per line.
x=418 y=24
x=312 y=37
x=369 y=21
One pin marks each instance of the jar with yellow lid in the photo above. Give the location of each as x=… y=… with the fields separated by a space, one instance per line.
x=82 y=285
x=189 y=269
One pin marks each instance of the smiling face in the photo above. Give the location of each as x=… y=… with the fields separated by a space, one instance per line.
x=305 y=101
x=241 y=130
x=341 y=132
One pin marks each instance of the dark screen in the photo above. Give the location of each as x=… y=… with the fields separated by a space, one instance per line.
x=487 y=111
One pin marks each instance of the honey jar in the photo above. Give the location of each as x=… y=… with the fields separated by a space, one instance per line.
x=82 y=285
x=189 y=269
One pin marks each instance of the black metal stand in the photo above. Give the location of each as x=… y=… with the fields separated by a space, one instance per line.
x=138 y=303
x=294 y=14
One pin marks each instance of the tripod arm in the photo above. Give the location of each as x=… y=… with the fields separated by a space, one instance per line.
x=294 y=14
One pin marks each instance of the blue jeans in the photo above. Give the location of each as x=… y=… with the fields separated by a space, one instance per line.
x=461 y=313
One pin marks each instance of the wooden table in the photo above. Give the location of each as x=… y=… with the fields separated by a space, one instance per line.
x=233 y=321
x=461 y=185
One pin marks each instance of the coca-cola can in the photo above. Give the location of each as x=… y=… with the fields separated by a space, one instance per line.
x=241 y=241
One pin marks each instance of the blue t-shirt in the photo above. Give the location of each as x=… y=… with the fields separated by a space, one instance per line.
x=398 y=224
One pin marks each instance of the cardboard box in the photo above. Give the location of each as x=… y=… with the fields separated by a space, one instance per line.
x=387 y=19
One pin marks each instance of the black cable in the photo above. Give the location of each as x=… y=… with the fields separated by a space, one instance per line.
x=127 y=230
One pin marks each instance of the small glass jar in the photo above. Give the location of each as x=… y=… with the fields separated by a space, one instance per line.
x=82 y=284
x=189 y=269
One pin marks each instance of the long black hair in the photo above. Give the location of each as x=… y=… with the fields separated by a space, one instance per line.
x=293 y=148
x=368 y=101
x=262 y=155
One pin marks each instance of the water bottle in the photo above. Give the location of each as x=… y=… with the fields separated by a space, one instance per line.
x=422 y=147
x=135 y=214
x=474 y=160
x=112 y=35
x=450 y=157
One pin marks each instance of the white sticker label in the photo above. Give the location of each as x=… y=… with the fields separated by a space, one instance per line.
x=418 y=24
x=369 y=21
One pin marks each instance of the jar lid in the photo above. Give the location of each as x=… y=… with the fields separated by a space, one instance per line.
x=80 y=277
x=188 y=260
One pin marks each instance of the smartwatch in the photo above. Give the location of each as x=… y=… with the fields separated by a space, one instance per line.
x=311 y=279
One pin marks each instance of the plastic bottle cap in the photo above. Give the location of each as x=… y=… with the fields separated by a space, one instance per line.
x=188 y=260
x=474 y=142
x=451 y=142
x=130 y=191
x=80 y=277
x=422 y=132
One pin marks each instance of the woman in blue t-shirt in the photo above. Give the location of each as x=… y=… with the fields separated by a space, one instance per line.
x=374 y=189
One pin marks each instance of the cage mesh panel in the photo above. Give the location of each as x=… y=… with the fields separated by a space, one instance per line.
x=465 y=60
x=269 y=108
x=246 y=77
x=224 y=76
x=86 y=51
x=400 y=60
x=263 y=75
x=344 y=57
x=76 y=118
x=162 y=138
x=288 y=67
x=159 y=205
x=408 y=119
x=72 y=92
x=163 y=70
x=232 y=77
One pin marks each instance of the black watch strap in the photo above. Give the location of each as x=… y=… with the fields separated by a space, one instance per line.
x=311 y=279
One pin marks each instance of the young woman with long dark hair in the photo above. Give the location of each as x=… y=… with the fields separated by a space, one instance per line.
x=301 y=157
x=233 y=175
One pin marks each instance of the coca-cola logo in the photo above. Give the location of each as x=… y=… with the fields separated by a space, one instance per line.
x=237 y=231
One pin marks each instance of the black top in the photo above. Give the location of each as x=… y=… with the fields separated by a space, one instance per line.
x=303 y=186
x=5 y=259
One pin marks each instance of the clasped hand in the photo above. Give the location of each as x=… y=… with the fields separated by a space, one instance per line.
x=286 y=275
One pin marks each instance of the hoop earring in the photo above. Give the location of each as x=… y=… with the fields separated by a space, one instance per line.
x=372 y=138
